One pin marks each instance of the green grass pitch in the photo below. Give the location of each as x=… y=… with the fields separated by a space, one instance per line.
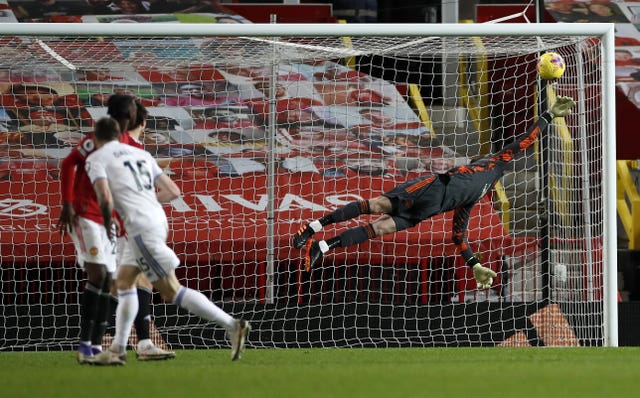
x=390 y=372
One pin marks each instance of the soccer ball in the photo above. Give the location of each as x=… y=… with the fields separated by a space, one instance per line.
x=551 y=66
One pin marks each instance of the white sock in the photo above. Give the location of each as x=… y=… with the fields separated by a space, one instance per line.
x=197 y=304
x=315 y=225
x=324 y=247
x=125 y=315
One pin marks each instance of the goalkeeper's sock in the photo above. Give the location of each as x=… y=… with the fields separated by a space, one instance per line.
x=125 y=314
x=144 y=313
x=315 y=225
x=89 y=308
x=347 y=212
x=353 y=236
x=197 y=304
x=332 y=243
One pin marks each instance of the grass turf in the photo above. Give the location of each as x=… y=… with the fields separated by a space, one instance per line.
x=391 y=372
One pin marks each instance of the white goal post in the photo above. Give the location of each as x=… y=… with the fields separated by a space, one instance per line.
x=266 y=126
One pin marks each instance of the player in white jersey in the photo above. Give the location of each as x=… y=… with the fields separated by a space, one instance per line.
x=126 y=178
x=146 y=349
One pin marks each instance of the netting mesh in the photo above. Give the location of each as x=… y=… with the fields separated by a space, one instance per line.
x=265 y=134
x=87 y=52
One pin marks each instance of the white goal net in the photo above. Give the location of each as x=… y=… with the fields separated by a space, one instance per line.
x=265 y=127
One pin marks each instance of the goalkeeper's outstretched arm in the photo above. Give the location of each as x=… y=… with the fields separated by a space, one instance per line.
x=560 y=108
x=460 y=223
x=483 y=275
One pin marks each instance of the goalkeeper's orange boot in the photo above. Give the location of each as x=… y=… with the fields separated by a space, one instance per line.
x=302 y=236
x=313 y=254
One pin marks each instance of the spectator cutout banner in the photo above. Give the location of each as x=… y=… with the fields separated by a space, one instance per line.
x=340 y=135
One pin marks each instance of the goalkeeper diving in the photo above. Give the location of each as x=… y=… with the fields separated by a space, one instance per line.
x=409 y=203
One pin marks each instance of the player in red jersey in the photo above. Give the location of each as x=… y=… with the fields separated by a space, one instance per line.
x=81 y=218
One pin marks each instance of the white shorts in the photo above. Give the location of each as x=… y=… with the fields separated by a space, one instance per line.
x=93 y=245
x=150 y=253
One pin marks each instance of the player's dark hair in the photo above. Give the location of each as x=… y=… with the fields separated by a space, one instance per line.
x=141 y=116
x=122 y=107
x=107 y=129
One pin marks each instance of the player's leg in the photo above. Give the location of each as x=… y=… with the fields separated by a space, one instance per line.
x=103 y=315
x=113 y=306
x=191 y=300
x=402 y=207
x=351 y=210
x=125 y=315
x=127 y=306
x=94 y=253
x=158 y=262
x=147 y=350
x=198 y=304
x=88 y=311
x=143 y=318
x=353 y=236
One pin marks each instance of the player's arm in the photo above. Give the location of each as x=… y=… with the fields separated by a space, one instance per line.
x=483 y=275
x=67 y=174
x=98 y=177
x=167 y=189
x=105 y=202
x=560 y=108
x=460 y=224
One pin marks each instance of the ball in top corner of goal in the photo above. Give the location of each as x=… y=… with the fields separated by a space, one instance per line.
x=551 y=66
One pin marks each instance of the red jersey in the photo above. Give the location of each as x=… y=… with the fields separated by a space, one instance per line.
x=75 y=184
